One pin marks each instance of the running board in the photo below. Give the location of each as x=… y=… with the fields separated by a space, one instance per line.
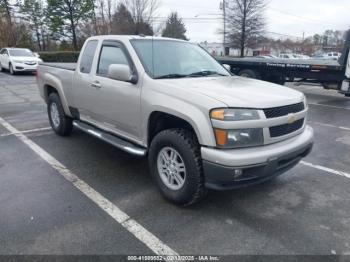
x=110 y=139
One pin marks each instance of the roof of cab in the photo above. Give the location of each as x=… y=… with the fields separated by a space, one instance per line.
x=15 y=48
x=132 y=37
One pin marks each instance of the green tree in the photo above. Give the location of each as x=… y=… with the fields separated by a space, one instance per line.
x=67 y=15
x=142 y=12
x=35 y=15
x=123 y=23
x=174 y=28
x=6 y=9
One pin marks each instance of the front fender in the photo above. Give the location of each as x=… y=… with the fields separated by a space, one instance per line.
x=197 y=117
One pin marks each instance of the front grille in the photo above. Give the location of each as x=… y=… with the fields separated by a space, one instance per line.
x=284 y=110
x=286 y=129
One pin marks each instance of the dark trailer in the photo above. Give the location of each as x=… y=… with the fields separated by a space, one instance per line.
x=331 y=74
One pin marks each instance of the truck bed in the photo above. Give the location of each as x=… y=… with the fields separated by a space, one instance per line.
x=67 y=66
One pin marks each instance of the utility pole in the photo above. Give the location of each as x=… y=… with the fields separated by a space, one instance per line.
x=223 y=8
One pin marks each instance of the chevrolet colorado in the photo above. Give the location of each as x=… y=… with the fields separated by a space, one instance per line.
x=200 y=126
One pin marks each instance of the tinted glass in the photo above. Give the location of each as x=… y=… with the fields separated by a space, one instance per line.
x=110 y=55
x=163 y=57
x=88 y=57
x=21 y=52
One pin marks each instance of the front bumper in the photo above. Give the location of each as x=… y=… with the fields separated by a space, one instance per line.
x=22 y=67
x=230 y=169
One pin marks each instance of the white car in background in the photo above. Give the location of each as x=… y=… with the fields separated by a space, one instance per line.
x=287 y=56
x=332 y=56
x=18 y=60
x=301 y=56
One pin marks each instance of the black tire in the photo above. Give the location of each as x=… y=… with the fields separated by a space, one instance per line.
x=11 y=70
x=65 y=126
x=248 y=73
x=186 y=144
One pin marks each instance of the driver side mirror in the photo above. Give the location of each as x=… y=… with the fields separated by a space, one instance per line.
x=121 y=73
x=37 y=55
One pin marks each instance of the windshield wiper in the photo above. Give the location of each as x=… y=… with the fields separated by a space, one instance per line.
x=196 y=74
x=205 y=73
x=169 y=76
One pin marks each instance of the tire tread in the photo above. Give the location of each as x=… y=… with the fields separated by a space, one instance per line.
x=190 y=140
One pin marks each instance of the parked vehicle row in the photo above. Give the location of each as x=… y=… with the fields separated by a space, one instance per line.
x=331 y=74
x=325 y=56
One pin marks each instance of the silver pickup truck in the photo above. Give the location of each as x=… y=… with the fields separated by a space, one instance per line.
x=200 y=126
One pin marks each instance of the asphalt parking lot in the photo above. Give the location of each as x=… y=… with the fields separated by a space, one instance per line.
x=43 y=211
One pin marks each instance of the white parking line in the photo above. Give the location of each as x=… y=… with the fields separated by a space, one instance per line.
x=329 y=125
x=146 y=237
x=337 y=107
x=27 y=131
x=326 y=169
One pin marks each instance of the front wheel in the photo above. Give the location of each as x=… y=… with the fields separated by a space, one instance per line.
x=176 y=166
x=12 y=71
x=60 y=123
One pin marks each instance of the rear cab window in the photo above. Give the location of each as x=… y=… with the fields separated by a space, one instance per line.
x=88 y=57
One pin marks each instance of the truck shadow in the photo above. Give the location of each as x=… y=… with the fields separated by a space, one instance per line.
x=285 y=211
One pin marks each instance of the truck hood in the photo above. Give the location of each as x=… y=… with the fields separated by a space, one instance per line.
x=26 y=58
x=240 y=92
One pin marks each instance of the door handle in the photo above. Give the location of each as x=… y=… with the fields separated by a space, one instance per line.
x=96 y=85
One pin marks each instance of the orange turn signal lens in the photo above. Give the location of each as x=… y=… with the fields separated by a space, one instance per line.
x=218 y=114
x=221 y=137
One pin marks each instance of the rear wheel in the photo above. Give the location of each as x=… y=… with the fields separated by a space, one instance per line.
x=60 y=123
x=248 y=73
x=176 y=166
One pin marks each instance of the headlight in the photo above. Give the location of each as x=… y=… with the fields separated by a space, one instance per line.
x=234 y=114
x=239 y=138
x=305 y=102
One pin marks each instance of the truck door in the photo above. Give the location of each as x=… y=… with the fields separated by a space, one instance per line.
x=118 y=102
x=83 y=89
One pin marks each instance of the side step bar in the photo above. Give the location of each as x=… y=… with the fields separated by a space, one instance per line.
x=110 y=139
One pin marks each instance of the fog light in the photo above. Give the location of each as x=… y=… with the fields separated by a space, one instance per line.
x=238 y=173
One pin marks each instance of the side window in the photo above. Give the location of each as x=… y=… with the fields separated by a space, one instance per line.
x=88 y=56
x=110 y=55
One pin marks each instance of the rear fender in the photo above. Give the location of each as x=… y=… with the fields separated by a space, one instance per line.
x=52 y=81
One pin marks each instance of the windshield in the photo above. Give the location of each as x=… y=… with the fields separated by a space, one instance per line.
x=21 y=52
x=173 y=59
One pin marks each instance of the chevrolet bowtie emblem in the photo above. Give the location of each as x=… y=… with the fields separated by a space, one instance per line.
x=292 y=118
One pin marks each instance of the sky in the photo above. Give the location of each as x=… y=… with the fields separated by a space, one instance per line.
x=283 y=17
